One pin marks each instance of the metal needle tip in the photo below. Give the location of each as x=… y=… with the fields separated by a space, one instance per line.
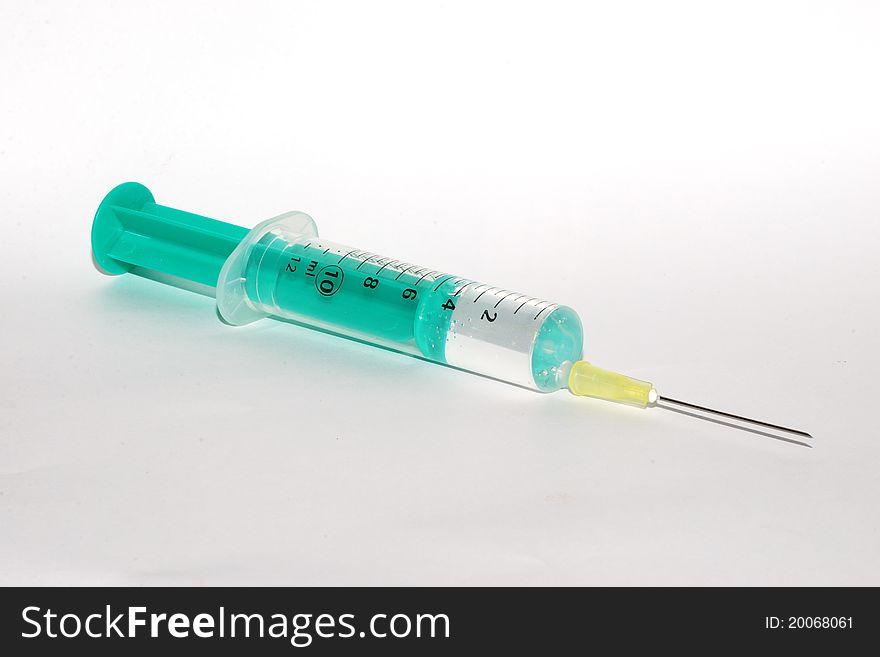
x=664 y=401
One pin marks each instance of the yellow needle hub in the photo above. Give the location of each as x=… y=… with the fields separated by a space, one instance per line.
x=585 y=379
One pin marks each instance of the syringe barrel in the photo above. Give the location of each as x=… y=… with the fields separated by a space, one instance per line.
x=283 y=269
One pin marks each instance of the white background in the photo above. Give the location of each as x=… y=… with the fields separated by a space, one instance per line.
x=701 y=181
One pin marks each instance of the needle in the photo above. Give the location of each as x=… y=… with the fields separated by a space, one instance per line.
x=739 y=418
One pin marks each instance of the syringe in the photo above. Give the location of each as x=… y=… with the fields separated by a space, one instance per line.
x=282 y=269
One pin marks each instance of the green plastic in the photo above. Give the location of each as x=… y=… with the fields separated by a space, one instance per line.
x=132 y=230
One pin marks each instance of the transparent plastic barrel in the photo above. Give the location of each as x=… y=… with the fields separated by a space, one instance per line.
x=283 y=269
